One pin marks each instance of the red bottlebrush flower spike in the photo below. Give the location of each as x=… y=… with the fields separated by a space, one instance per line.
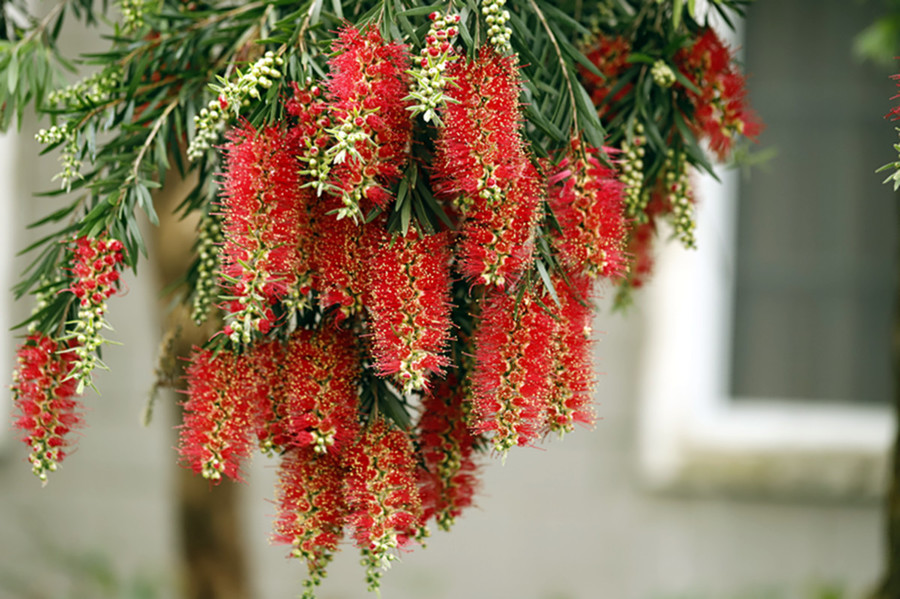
x=44 y=397
x=95 y=263
x=720 y=109
x=215 y=436
x=267 y=396
x=513 y=366
x=263 y=218
x=482 y=165
x=382 y=496
x=311 y=509
x=312 y=111
x=572 y=378
x=449 y=477
x=588 y=204
x=341 y=251
x=321 y=371
x=409 y=307
x=372 y=126
x=610 y=56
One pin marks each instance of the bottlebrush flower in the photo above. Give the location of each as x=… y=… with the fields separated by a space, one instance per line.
x=430 y=77
x=610 y=56
x=321 y=371
x=448 y=479
x=263 y=217
x=44 y=397
x=587 y=201
x=267 y=396
x=311 y=509
x=572 y=376
x=94 y=265
x=512 y=371
x=372 y=130
x=216 y=434
x=340 y=254
x=312 y=111
x=409 y=306
x=482 y=165
x=720 y=108
x=385 y=509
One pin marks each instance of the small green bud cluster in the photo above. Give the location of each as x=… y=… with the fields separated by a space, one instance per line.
x=88 y=335
x=95 y=89
x=498 y=31
x=206 y=289
x=232 y=96
x=69 y=158
x=133 y=14
x=632 y=176
x=662 y=73
x=429 y=77
x=678 y=190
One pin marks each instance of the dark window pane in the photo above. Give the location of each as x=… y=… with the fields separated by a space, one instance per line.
x=816 y=228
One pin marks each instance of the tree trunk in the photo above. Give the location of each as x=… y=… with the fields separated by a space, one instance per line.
x=889 y=588
x=214 y=564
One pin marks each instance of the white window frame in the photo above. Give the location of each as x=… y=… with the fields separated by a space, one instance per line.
x=693 y=435
x=9 y=162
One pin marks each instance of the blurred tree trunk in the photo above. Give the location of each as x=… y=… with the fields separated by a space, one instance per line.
x=214 y=564
x=889 y=588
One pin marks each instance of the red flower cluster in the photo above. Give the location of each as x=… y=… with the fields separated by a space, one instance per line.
x=409 y=307
x=587 y=202
x=610 y=56
x=312 y=508
x=44 y=397
x=216 y=434
x=449 y=477
x=483 y=166
x=372 y=127
x=720 y=109
x=264 y=217
x=382 y=496
x=95 y=263
x=513 y=344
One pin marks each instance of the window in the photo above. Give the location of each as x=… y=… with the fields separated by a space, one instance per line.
x=719 y=399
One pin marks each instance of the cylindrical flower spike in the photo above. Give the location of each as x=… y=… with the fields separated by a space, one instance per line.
x=572 y=377
x=218 y=415
x=321 y=372
x=513 y=365
x=448 y=478
x=95 y=264
x=372 y=127
x=263 y=217
x=409 y=307
x=588 y=205
x=44 y=397
x=311 y=509
x=382 y=496
x=481 y=164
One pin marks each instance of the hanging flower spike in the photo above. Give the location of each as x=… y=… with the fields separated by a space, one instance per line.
x=679 y=196
x=482 y=165
x=429 y=75
x=720 y=109
x=263 y=217
x=209 y=240
x=382 y=496
x=498 y=31
x=95 y=264
x=610 y=55
x=572 y=378
x=311 y=509
x=449 y=477
x=321 y=372
x=513 y=367
x=588 y=204
x=44 y=397
x=372 y=130
x=218 y=416
x=267 y=396
x=341 y=252
x=409 y=307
